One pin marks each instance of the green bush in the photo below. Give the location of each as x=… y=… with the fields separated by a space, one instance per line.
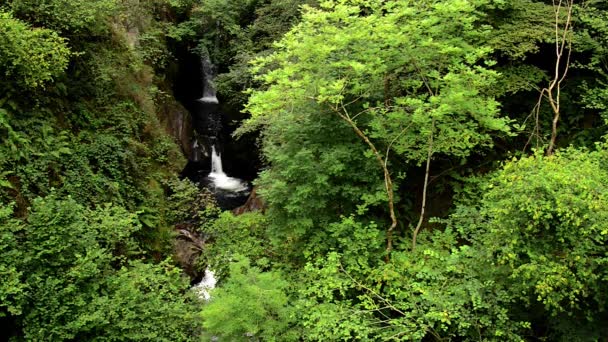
x=29 y=57
x=69 y=277
x=250 y=303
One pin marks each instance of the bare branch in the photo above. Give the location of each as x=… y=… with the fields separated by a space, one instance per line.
x=426 y=183
x=552 y=93
x=555 y=84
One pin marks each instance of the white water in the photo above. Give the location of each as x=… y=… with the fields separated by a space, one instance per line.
x=221 y=180
x=209 y=95
x=207 y=284
x=208 y=99
x=196 y=153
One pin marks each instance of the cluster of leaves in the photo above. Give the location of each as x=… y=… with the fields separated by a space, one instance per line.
x=544 y=222
x=256 y=301
x=72 y=16
x=187 y=200
x=424 y=95
x=29 y=57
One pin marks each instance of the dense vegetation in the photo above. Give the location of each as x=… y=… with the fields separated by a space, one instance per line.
x=434 y=170
x=84 y=167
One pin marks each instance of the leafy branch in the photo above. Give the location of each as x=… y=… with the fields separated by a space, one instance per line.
x=344 y=114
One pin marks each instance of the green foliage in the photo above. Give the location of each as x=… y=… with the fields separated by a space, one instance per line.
x=531 y=265
x=314 y=176
x=591 y=38
x=144 y=302
x=29 y=57
x=542 y=218
x=446 y=291
x=270 y=21
x=88 y=194
x=519 y=29
x=12 y=289
x=63 y=282
x=250 y=303
x=330 y=73
x=520 y=26
x=234 y=236
x=66 y=16
x=82 y=154
x=561 y=200
x=188 y=202
x=213 y=17
x=439 y=292
x=512 y=262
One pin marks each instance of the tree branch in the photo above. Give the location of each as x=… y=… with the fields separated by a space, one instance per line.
x=560 y=46
x=387 y=302
x=552 y=93
x=342 y=112
x=426 y=183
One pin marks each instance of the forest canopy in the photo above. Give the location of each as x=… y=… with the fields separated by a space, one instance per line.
x=426 y=170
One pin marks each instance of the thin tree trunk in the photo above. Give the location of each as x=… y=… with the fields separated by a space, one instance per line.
x=388 y=182
x=560 y=45
x=426 y=183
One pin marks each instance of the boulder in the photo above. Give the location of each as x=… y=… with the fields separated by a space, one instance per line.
x=189 y=246
x=254 y=203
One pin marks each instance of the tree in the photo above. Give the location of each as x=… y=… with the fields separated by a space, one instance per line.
x=401 y=76
x=543 y=221
x=67 y=16
x=563 y=51
x=522 y=255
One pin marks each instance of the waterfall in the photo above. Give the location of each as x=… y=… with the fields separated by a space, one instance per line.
x=219 y=179
x=206 y=284
x=196 y=152
x=211 y=126
x=216 y=161
x=209 y=95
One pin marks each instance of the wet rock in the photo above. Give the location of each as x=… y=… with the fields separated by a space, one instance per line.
x=254 y=203
x=189 y=246
x=177 y=122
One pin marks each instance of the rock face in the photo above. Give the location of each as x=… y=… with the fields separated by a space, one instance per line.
x=254 y=203
x=177 y=122
x=188 y=248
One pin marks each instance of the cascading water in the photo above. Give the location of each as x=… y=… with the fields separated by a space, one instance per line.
x=209 y=94
x=219 y=179
x=205 y=285
x=196 y=152
x=216 y=162
x=209 y=126
x=223 y=186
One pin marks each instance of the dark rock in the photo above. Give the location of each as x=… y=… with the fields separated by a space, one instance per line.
x=254 y=203
x=189 y=246
x=177 y=122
